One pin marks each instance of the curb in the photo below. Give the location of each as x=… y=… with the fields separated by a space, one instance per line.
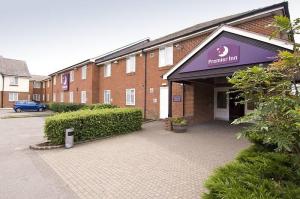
x=36 y=147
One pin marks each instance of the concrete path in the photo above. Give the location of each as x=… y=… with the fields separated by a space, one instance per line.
x=10 y=113
x=152 y=163
x=23 y=174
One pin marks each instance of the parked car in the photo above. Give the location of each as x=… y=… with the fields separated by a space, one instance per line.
x=29 y=106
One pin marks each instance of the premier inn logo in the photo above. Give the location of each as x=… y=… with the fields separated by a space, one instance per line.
x=223 y=54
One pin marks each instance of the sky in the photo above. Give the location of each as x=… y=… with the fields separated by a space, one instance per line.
x=53 y=34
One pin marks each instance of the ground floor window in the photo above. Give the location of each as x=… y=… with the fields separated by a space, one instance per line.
x=83 y=97
x=36 y=97
x=62 y=97
x=12 y=97
x=43 y=97
x=48 y=97
x=130 y=96
x=107 y=97
x=54 y=97
x=71 y=97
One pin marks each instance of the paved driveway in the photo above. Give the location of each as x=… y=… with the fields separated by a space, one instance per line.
x=23 y=174
x=152 y=163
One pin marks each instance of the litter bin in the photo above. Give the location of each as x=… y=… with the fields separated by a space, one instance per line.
x=69 y=138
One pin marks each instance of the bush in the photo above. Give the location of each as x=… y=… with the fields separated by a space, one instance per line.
x=67 y=107
x=257 y=173
x=91 y=124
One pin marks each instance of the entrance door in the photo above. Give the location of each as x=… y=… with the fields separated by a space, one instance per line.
x=221 y=104
x=236 y=109
x=163 y=102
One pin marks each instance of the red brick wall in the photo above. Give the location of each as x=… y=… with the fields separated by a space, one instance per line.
x=8 y=104
x=119 y=81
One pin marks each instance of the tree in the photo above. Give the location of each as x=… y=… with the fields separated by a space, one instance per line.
x=276 y=119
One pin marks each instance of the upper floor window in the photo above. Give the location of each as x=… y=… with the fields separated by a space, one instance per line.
x=130 y=96
x=107 y=70
x=48 y=83
x=165 y=56
x=14 y=81
x=83 y=72
x=71 y=76
x=43 y=84
x=130 y=64
x=61 y=78
x=107 y=97
x=36 y=84
x=54 y=80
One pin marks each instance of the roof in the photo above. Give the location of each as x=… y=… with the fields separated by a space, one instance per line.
x=38 y=78
x=122 y=52
x=13 y=67
x=106 y=56
x=224 y=28
x=217 y=22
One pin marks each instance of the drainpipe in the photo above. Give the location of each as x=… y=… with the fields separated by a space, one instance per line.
x=170 y=98
x=145 y=83
x=2 y=98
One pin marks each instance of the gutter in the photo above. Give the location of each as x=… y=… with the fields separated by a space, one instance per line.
x=145 y=84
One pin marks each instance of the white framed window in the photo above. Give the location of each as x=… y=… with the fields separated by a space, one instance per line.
x=71 y=97
x=12 y=97
x=36 y=84
x=54 y=97
x=107 y=97
x=43 y=97
x=36 y=97
x=83 y=97
x=165 y=56
x=61 y=96
x=43 y=84
x=130 y=64
x=83 y=72
x=107 y=70
x=72 y=76
x=61 y=78
x=48 y=83
x=14 y=81
x=130 y=96
x=54 y=80
x=48 y=97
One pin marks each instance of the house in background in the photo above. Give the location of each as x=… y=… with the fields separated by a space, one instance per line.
x=37 y=87
x=14 y=81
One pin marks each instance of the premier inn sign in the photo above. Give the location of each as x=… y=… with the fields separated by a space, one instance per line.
x=223 y=54
x=65 y=81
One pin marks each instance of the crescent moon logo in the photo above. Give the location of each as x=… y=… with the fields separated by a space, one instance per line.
x=223 y=51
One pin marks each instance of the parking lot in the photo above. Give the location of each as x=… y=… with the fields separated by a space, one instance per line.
x=152 y=163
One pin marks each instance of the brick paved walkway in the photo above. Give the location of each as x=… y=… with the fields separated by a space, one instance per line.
x=151 y=163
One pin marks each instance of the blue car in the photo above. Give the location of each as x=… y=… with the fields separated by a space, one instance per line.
x=28 y=106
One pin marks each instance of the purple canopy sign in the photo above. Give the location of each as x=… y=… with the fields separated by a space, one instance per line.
x=223 y=54
x=65 y=82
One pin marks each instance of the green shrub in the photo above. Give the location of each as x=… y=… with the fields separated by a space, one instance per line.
x=65 y=107
x=257 y=173
x=102 y=106
x=90 y=124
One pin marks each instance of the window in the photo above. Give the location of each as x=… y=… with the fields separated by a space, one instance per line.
x=71 y=97
x=48 y=97
x=54 y=80
x=107 y=70
x=36 y=97
x=165 y=56
x=72 y=76
x=83 y=97
x=107 y=97
x=62 y=97
x=83 y=72
x=222 y=99
x=36 y=84
x=61 y=78
x=43 y=83
x=130 y=64
x=12 y=97
x=14 y=81
x=48 y=83
x=43 y=97
x=130 y=96
x=54 y=97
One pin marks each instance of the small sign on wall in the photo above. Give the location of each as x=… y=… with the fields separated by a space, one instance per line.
x=177 y=98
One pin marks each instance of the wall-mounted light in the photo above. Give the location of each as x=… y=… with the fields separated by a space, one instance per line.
x=178 y=46
x=116 y=62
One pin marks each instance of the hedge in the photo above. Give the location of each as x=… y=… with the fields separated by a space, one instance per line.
x=67 y=107
x=91 y=124
x=256 y=173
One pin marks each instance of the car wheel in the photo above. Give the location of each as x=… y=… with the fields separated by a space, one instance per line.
x=41 y=109
x=18 y=110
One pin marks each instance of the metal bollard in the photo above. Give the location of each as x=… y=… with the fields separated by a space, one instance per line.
x=69 y=138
